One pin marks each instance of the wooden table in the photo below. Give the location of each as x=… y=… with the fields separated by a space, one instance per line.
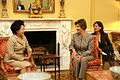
x=99 y=75
x=43 y=64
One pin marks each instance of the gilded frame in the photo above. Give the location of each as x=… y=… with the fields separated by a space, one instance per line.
x=48 y=6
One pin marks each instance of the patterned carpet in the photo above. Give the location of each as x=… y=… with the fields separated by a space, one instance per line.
x=64 y=75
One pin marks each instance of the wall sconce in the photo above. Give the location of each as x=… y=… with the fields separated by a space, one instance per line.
x=62 y=12
x=4 y=10
x=4 y=2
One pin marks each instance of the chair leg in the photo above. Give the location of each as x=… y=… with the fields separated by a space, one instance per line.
x=71 y=75
x=5 y=77
x=103 y=65
x=111 y=63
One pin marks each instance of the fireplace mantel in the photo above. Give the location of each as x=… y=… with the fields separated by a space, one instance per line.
x=62 y=26
x=36 y=19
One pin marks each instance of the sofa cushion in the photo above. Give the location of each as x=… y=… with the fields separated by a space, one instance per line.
x=94 y=62
x=3 y=51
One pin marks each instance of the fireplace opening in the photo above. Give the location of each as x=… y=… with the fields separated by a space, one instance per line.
x=42 y=39
x=42 y=42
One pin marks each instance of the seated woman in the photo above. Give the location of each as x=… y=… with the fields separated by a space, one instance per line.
x=82 y=49
x=16 y=46
x=103 y=42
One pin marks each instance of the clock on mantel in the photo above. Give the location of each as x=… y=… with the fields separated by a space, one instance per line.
x=36 y=10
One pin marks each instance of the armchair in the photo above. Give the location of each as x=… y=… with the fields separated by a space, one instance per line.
x=5 y=68
x=93 y=64
x=116 y=42
x=3 y=75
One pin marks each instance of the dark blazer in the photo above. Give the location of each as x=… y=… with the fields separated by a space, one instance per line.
x=105 y=45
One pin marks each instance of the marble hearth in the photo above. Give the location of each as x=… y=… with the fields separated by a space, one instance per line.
x=62 y=26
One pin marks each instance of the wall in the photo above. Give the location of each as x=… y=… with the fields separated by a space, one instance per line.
x=105 y=10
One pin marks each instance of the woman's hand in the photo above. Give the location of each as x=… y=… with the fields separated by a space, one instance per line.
x=74 y=53
x=26 y=58
x=79 y=58
x=29 y=54
x=100 y=50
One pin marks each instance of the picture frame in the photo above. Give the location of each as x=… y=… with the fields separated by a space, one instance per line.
x=48 y=6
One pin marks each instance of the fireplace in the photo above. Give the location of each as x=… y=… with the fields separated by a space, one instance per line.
x=56 y=30
x=42 y=39
x=42 y=42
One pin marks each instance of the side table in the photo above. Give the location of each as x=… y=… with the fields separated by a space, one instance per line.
x=43 y=59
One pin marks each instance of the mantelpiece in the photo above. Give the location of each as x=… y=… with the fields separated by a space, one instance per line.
x=62 y=26
x=45 y=19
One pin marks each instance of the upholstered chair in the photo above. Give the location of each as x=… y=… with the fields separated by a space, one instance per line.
x=94 y=64
x=5 y=68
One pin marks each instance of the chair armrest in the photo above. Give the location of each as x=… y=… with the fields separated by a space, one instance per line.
x=117 y=46
x=101 y=59
x=2 y=64
x=3 y=69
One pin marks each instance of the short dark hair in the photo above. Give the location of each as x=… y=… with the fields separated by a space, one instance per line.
x=81 y=23
x=16 y=25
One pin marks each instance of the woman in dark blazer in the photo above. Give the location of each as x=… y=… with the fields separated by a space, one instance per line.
x=103 y=42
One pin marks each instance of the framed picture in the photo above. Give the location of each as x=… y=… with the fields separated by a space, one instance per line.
x=48 y=6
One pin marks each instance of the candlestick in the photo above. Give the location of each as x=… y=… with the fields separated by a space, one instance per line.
x=62 y=2
x=4 y=2
x=4 y=10
x=62 y=13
